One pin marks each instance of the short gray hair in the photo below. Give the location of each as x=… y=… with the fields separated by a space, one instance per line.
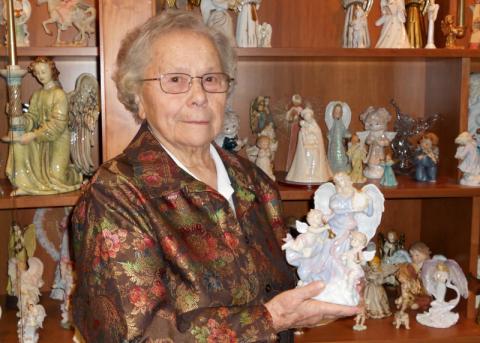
x=132 y=58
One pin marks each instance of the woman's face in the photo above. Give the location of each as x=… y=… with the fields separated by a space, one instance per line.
x=42 y=72
x=188 y=120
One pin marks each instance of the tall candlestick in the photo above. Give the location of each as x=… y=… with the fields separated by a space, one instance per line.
x=461 y=12
x=11 y=43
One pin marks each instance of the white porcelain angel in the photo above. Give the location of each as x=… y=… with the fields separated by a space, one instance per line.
x=22 y=12
x=469 y=156
x=346 y=210
x=215 y=14
x=263 y=159
x=337 y=117
x=264 y=35
x=432 y=12
x=393 y=34
x=30 y=322
x=355 y=30
x=377 y=137
x=474 y=106
x=247 y=22
x=310 y=164
x=439 y=274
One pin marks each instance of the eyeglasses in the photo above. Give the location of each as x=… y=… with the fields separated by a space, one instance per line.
x=177 y=83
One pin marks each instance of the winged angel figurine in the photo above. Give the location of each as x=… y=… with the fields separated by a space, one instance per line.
x=355 y=30
x=350 y=218
x=439 y=274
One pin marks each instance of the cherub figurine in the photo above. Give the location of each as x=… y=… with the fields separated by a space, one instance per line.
x=346 y=210
x=376 y=300
x=310 y=164
x=475 y=36
x=215 y=14
x=432 y=12
x=401 y=318
x=388 y=178
x=452 y=32
x=355 y=30
x=439 y=274
x=263 y=160
x=357 y=154
x=337 y=117
x=292 y=117
x=377 y=137
x=393 y=34
x=427 y=158
x=469 y=156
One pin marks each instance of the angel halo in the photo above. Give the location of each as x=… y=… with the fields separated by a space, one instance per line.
x=349 y=220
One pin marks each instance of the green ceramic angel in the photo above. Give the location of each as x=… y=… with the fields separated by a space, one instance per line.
x=39 y=161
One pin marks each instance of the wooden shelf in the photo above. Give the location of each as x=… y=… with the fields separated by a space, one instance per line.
x=35 y=201
x=356 y=53
x=407 y=189
x=54 y=51
x=51 y=332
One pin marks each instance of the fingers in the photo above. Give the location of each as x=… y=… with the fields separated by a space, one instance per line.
x=309 y=291
x=334 y=311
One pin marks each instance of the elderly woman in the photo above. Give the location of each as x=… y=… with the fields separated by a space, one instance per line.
x=175 y=239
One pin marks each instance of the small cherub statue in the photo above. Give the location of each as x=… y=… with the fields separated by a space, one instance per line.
x=452 y=32
x=401 y=318
x=469 y=156
x=432 y=12
x=228 y=139
x=360 y=320
x=337 y=117
x=310 y=164
x=475 y=36
x=388 y=178
x=263 y=160
x=357 y=154
x=439 y=274
x=377 y=137
x=354 y=258
x=427 y=158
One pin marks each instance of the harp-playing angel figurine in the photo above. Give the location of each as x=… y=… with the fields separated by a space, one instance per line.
x=350 y=215
x=438 y=274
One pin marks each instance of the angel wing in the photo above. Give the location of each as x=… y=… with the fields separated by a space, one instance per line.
x=30 y=240
x=301 y=226
x=428 y=270
x=457 y=277
x=362 y=135
x=252 y=153
x=390 y=135
x=322 y=197
x=368 y=223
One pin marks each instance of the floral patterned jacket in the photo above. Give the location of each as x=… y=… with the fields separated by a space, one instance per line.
x=161 y=257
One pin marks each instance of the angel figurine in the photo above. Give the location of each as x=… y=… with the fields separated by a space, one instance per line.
x=427 y=158
x=415 y=23
x=357 y=154
x=337 y=117
x=393 y=34
x=355 y=30
x=432 y=12
x=215 y=14
x=260 y=114
x=310 y=164
x=22 y=11
x=247 y=22
x=377 y=137
x=451 y=31
x=469 y=156
x=439 y=274
x=30 y=322
x=263 y=160
x=388 y=178
x=475 y=36
x=292 y=118
x=83 y=110
x=345 y=210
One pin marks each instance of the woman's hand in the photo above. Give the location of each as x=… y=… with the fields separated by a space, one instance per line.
x=295 y=308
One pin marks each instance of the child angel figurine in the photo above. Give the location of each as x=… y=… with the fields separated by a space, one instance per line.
x=355 y=30
x=346 y=210
x=469 y=156
x=438 y=275
x=337 y=117
x=263 y=160
x=393 y=34
x=310 y=163
x=357 y=154
x=388 y=178
x=427 y=158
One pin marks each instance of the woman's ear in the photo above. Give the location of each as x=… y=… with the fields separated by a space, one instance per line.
x=141 y=109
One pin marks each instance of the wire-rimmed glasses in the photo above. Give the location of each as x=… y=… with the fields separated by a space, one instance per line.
x=177 y=83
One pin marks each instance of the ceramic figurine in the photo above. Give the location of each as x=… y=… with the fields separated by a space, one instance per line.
x=215 y=14
x=355 y=30
x=337 y=117
x=360 y=321
x=426 y=158
x=419 y=253
x=260 y=114
x=401 y=318
x=475 y=36
x=310 y=163
x=376 y=300
x=268 y=131
x=390 y=244
x=263 y=160
x=22 y=12
x=410 y=287
x=353 y=259
x=264 y=35
x=432 y=12
x=247 y=22
x=406 y=128
x=30 y=323
x=469 y=156
x=393 y=34
x=377 y=137
x=346 y=210
x=39 y=162
x=451 y=31
x=70 y=13
x=474 y=107
x=438 y=275
x=415 y=22
x=357 y=154
x=84 y=109
x=292 y=118
x=228 y=139
x=388 y=178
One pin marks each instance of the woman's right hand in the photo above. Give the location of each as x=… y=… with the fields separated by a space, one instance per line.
x=295 y=308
